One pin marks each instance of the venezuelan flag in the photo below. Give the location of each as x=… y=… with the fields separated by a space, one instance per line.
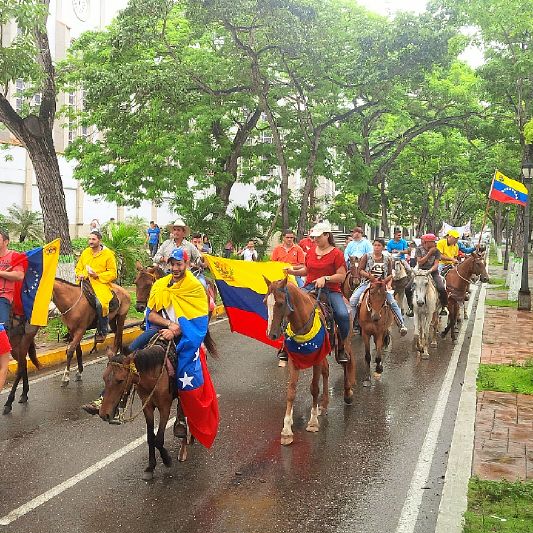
x=33 y=298
x=242 y=289
x=508 y=191
x=188 y=300
x=309 y=349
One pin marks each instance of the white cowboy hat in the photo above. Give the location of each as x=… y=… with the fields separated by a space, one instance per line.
x=180 y=223
x=320 y=228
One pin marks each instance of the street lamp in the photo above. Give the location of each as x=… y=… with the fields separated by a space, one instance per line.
x=524 y=295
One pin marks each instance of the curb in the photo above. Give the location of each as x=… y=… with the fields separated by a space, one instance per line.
x=453 y=502
x=57 y=356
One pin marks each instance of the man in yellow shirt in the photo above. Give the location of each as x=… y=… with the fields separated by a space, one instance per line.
x=97 y=264
x=448 y=248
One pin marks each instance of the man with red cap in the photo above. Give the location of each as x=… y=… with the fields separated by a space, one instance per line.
x=427 y=258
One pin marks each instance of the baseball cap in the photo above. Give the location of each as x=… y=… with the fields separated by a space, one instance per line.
x=179 y=254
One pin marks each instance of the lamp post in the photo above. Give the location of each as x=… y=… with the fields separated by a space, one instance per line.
x=524 y=294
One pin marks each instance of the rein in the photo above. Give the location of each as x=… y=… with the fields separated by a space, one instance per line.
x=132 y=371
x=74 y=304
x=456 y=268
x=290 y=309
x=368 y=308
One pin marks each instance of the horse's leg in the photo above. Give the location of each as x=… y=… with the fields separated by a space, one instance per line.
x=164 y=414
x=25 y=382
x=12 y=392
x=313 y=424
x=76 y=339
x=349 y=371
x=148 y=473
x=379 y=351
x=425 y=337
x=454 y=308
x=117 y=343
x=287 y=435
x=79 y=359
x=368 y=358
x=324 y=401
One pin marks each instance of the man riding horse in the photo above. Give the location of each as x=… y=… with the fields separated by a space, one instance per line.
x=428 y=256
x=399 y=246
x=98 y=265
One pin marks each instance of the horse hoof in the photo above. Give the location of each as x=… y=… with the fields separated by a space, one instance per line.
x=65 y=382
x=366 y=383
x=78 y=377
x=282 y=364
x=425 y=356
x=167 y=460
x=7 y=409
x=312 y=428
x=287 y=439
x=23 y=399
x=348 y=400
x=377 y=375
x=148 y=475
x=182 y=455
x=433 y=344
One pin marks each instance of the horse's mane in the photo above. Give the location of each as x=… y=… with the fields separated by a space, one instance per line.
x=149 y=358
x=61 y=280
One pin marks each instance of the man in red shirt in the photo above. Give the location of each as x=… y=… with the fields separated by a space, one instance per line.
x=306 y=243
x=289 y=252
x=9 y=274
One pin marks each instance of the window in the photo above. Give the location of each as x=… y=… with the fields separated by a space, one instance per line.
x=19 y=90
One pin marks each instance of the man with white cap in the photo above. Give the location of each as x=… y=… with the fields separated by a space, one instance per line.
x=179 y=230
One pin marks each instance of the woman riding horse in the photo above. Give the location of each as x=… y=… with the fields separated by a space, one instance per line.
x=325 y=269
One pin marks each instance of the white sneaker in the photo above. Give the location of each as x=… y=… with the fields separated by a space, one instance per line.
x=403 y=331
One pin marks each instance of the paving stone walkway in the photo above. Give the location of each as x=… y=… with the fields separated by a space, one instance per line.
x=503 y=443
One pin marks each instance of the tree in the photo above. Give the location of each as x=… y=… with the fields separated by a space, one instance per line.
x=28 y=57
x=25 y=223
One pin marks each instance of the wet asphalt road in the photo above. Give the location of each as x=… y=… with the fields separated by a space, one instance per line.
x=351 y=476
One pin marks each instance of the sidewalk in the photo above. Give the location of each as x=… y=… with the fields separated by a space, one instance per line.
x=503 y=442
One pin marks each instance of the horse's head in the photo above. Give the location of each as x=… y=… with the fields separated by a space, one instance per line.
x=354 y=266
x=377 y=296
x=480 y=269
x=420 y=286
x=398 y=268
x=143 y=283
x=117 y=379
x=276 y=301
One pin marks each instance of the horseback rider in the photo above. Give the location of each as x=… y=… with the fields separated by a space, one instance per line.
x=448 y=249
x=325 y=269
x=9 y=275
x=399 y=246
x=179 y=231
x=377 y=265
x=358 y=246
x=98 y=265
x=428 y=256
x=289 y=252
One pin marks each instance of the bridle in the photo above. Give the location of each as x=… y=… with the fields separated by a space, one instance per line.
x=74 y=304
x=288 y=309
x=368 y=307
x=143 y=273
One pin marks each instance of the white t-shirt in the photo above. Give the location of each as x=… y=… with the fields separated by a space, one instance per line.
x=249 y=255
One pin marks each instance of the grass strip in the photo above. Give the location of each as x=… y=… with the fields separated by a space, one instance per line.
x=500 y=303
x=516 y=378
x=501 y=506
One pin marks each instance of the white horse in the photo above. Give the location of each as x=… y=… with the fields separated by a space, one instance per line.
x=426 y=308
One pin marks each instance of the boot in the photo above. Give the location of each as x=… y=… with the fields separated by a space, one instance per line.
x=341 y=356
x=93 y=407
x=409 y=298
x=282 y=355
x=103 y=327
x=443 y=297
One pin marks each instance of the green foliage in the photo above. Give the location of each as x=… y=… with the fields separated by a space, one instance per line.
x=55 y=329
x=499 y=506
x=499 y=303
x=517 y=378
x=24 y=223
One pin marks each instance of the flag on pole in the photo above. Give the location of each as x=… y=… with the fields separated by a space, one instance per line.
x=35 y=293
x=507 y=191
x=242 y=288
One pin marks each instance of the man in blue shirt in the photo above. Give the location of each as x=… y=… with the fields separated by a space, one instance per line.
x=358 y=247
x=152 y=236
x=398 y=244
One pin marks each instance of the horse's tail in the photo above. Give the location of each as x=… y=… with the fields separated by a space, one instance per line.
x=32 y=353
x=210 y=345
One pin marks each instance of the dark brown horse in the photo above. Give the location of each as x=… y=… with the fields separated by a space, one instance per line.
x=375 y=319
x=352 y=279
x=286 y=302
x=79 y=315
x=457 y=283
x=146 y=370
x=21 y=337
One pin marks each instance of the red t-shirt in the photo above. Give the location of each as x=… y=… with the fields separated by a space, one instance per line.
x=7 y=286
x=327 y=265
x=294 y=255
x=306 y=244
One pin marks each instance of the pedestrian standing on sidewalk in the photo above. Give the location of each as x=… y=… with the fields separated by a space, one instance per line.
x=153 y=236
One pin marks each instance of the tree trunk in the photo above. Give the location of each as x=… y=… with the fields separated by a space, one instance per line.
x=498 y=224
x=308 y=187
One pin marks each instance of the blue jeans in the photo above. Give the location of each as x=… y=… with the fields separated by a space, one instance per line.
x=5 y=312
x=144 y=338
x=393 y=304
x=340 y=311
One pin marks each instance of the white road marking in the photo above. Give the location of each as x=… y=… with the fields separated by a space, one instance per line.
x=71 y=482
x=88 y=363
x=413 y=501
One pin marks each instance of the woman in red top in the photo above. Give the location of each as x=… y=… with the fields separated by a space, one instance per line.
x=325 y=269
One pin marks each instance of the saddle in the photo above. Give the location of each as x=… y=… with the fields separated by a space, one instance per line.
x=171 y=362
x=88 y=292
x=327 y=315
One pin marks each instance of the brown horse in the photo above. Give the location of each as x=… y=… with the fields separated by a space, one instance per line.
x=401 y=277
x=21 y=337
x=457 y=283
x=146 y=370
x=352 y=279
x=375 y=319
x=78 y=315
x=286 y=302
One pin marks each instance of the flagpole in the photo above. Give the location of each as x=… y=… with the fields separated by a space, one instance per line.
x=486 y=211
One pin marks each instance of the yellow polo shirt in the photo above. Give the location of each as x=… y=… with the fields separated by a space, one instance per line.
x=451 y=250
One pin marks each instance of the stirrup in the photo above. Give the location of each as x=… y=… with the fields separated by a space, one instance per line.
x=282 y=355
x=180 y=429
x=410 y=312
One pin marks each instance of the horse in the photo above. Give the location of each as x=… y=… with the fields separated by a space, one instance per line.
x=286 y=302
x=146 y=277
x=146 y=369
x=352 y=280
x=400 y=279
x=22 y=340
x=457 y=282
x=375 y=320
x=79 y=315
x=426 y=311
